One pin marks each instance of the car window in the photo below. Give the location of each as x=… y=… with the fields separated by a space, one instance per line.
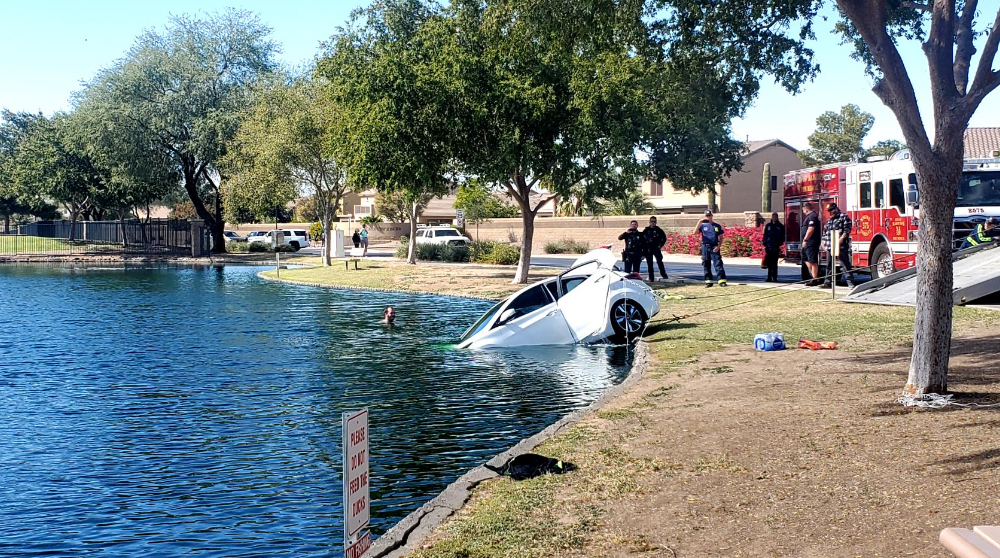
x=551 y=287
x=481 y=323
x=447 y=232
x=300 y=233
x=571 y=283
x=529 y=301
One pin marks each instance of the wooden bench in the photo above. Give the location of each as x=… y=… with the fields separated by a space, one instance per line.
x=355 y=255
x=982 y=541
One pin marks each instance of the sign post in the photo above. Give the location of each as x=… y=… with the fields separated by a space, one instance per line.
x=356 y=494
x=460 y=218
x=834 y=254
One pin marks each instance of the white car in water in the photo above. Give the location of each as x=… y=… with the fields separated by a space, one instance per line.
x=590 y=302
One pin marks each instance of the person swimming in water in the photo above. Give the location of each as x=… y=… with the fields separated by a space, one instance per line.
x=389 y=315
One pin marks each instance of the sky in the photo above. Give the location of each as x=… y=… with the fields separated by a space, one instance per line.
x=51 y=46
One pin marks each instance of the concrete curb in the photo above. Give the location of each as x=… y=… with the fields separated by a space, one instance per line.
x=369 y=289
x=407 y=535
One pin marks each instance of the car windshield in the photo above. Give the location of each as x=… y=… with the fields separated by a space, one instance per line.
x=979 y=188
x=481 y=322
x=447 y=232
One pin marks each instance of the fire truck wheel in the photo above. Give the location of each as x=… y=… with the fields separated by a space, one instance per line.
x=881 y=262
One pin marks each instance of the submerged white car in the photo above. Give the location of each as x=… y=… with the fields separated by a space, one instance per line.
x=590 y=302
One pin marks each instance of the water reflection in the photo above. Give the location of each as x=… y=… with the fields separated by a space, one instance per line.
x=166 y=411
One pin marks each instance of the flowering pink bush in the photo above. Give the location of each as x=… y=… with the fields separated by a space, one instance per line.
x=740 y=242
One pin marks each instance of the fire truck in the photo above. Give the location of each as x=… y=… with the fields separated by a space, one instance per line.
x=883 y=200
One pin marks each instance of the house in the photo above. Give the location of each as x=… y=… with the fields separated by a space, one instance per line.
x=982 y=143
x=439 y=211
x=742 y=191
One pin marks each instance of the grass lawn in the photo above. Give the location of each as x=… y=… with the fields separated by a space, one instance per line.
x=10 y=244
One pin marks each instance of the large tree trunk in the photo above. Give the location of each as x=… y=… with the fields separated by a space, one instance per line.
x=938 y=177
x=214 y=222
x=411 y=254
x=6 y=223
x=74 y=214
x=327 y=240
x=527 y=236
x=218 y=226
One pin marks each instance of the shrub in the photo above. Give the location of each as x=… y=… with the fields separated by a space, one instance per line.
x=237 y=247
x=566 y=246
x=746 y=242
x=316 y=231
x=493 y=252
x=404 y=247
x=258 y=247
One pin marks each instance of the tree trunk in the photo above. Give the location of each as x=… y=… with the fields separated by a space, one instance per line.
x=411 y=254
x=6 y=223
x=527 y=235
x=327 y=240
x=74 y=214
x=938 y=179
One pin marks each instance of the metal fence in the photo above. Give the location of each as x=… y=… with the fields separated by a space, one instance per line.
x=45 y=238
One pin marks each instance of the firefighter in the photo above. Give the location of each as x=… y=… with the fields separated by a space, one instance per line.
x=711 y=246
x=774 y=237
x=837 y=220
x=984 y=232
x=635 y=247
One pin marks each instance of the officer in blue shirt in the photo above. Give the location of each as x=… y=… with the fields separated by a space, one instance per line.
x=711 y=244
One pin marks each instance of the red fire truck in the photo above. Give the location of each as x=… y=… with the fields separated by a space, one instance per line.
x=882 y=198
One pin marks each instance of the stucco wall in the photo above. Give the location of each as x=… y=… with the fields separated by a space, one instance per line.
x=742 y=191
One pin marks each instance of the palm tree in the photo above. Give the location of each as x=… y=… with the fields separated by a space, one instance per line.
x=632 y=202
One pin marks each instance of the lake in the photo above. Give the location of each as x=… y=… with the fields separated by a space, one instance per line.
x=165 y=411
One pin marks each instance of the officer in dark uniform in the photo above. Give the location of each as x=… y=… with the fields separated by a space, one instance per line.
x=655 y=239
x=984 y=232
x=711 y=248
x=635 y=247
x=774 y=237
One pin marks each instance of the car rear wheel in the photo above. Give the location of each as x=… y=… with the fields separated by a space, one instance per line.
x=295 y=245
x=628 y=319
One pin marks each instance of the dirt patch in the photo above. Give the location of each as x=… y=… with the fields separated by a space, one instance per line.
x=806 y=459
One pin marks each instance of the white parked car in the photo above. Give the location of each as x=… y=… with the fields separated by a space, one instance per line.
x=441 y=235
x=590 y=302
x=297 y=239
x=256 y=236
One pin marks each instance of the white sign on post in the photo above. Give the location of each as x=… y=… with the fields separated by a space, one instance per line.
x=459 y=218
x=358 y=548
x=356 y=495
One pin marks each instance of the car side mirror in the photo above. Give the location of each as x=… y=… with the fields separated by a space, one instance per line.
x=912 y=196
x=506 y=315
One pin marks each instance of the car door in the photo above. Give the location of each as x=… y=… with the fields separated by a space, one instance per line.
x=584 y=303
x=534 y=319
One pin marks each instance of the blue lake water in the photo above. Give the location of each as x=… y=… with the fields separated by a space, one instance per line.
x=196 y=411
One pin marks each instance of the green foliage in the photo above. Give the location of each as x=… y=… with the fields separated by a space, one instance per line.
x=839 y=137
x=404 y=247
x=237 y=247
x=390 y=71
x=566 y=246
x=258 y=246
x=370 y=220
x=307 y=210
x=316 y=231
x=631 y=202
x=885 y=148
x=184 y=210
x=442 y=252
x=493 y=252
x=481 y=203
x=181 y=91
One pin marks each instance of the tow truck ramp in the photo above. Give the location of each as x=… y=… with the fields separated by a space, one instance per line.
x=976 y=272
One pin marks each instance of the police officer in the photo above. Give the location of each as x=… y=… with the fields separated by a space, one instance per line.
x=635 y=247
x=984 y=232
x=774 y=237
x=837 y=220
x=711 y=248
x=655 y=239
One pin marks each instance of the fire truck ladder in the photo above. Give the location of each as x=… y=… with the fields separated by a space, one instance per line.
x=976 y=275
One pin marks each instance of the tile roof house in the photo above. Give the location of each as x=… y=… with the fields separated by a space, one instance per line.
x=742 y=191
x=982 y=143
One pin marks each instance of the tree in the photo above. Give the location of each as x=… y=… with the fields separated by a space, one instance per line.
x=392 y=207
x=567 y=93
x=389 y=71
x=184 y=89
x=284 y=141
x=948 y=31
x=838 y=137
x=885 y=148
x=480 y=203
x=632 y=202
